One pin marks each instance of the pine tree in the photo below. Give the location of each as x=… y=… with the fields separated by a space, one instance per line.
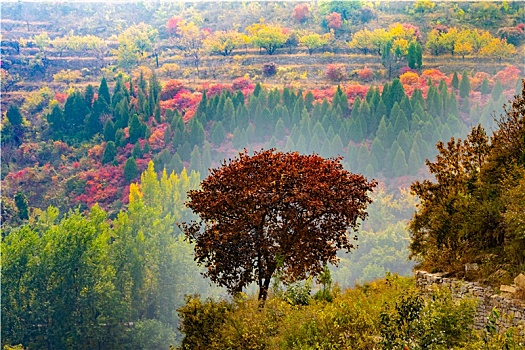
x=89 y=95
x=131 y=171
x=336 y=145
x=196 y=132
x=464 y=85
x=319 y=131
x=378 y=150
x=363 y=157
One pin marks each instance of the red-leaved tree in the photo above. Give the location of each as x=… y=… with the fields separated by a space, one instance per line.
x=274 y=212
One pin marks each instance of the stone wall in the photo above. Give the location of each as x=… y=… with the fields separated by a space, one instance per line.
x=512 y=311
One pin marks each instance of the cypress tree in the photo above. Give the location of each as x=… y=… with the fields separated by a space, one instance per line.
x=22 y=205
x=56 y=122
x=137 y=151
x=397 y=91
x=336 y=145
x=378 y=150
x=403 y=141
x=485 y=89
x=497 y=91
x=355 y=108
x=455 y=81
x=464 y=85
x=257 y=90
x=14 y=116
x=130 y=169
x=309 y=101
x=206 y=159
x=239 y=139
x=196 y=132
x=136 y=129
x=103 y=91
x=319 y=131
x=280 y=130
x=195 y=159
x=175 y=164
x=300 y=145
x=417 y=96
x=109 y=131
x=217 y=133
x=411 y=57
x=89 y=95
x=109 y=152
x=363 y=157
x=399 y=164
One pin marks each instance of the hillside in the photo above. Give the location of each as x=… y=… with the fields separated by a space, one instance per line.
x=111 y=113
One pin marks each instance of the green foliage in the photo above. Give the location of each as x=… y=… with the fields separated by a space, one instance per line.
x=22 y=206
x=130 y=169
x=464 y=85
x=110 y=152
x=14 y=116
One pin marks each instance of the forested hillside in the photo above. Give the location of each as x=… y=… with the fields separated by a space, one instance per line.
x=112 y=112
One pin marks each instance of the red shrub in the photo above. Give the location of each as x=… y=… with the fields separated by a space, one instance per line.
x=173 y=24
x=170 y=89
x=241 y=83
x=335 y=72
x=365 y=74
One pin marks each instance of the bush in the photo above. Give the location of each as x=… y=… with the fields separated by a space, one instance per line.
x=269 y=69
x=335 y=72
x=365 y=74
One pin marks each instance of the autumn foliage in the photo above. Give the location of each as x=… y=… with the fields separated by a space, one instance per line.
x=272 y=212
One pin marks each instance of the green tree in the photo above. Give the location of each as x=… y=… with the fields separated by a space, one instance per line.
x=14 y=116
x=110 y=152
x=267 y=37
x=22 y=205
x=130 y=169
x=464 y=85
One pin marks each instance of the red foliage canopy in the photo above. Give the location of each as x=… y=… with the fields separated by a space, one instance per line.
x=274 y=211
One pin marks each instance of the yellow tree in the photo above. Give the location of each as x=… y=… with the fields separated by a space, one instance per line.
x=314 y=41
x=363 y=40
x=268 y=37
x=223 y=42
x=190 y=40
x=498 y=49
x=134 y=42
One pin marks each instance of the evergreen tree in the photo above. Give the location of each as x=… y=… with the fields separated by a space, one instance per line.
x=336 y=145
x=399 y=165
x=89 y=95
x=300 y=145
x=464 y=85
x=257 y=90
x=22 y=205
x=239 y=138
x=417 y=96
x=175 y=164
x=196 y=132
x=206 y=159
x=455 y=81
x=14 y=116
x=280 y=130
x=309 y=101
x=363 y=157
x=147 y=148
x=137 y=130
x=217 y=134
x=319 y=131
x=103 y=91
x=485 y=89
x=411 y=56
x=184 y=151
x=75 y=112
x=195 y=159
x=228 y=112
x=378 y=150
x=137 y=151
x=497 y=91
x=315 y=144
x=404 y=141
x=161 y=160
x=109 y=152
x=109 y=131
x=131 y=171
x=120 y=138
x=290 y=145
x=355 y=108
x=56 y=122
